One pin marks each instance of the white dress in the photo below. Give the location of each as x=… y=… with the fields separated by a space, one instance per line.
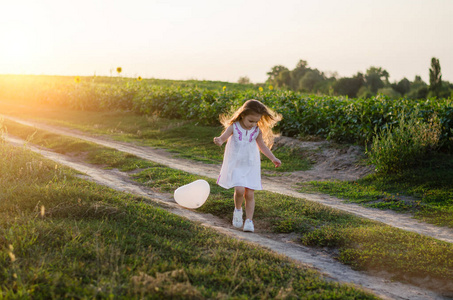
x=241 y=161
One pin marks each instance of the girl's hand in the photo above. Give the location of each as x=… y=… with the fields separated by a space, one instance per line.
x=277 y=162
x=218 y=141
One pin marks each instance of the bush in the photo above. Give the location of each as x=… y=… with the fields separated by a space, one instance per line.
x=389 y=92
x=398 y=148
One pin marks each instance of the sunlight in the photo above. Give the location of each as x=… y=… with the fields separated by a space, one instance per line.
x=18 y=48
x=24 y=37
x=16 y=45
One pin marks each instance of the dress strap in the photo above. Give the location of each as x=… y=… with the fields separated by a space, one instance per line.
x=238 y=131
x=253 y=133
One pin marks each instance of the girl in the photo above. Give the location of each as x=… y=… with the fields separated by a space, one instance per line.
x=247 y=130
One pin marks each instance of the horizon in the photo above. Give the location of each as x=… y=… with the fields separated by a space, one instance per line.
x=224 y=41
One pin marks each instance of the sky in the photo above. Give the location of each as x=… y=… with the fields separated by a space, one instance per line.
x=224 y=40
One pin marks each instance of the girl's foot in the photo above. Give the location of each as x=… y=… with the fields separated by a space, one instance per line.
x=248 y=226
x=237 y=218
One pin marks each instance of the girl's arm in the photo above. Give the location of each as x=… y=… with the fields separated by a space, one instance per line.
x=266 y=151
x=224 y=137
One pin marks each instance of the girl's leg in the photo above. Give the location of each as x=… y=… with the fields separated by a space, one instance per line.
x=238 y=199
x=249 y=203
x=239 y=192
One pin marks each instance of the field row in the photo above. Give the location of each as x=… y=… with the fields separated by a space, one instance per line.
x=336 y=118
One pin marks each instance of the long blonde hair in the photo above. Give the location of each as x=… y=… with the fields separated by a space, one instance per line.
x=268 y=118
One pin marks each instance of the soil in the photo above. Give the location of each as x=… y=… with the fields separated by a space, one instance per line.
x=331 y=162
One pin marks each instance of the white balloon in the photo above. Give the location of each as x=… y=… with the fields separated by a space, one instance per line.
x=192 y=195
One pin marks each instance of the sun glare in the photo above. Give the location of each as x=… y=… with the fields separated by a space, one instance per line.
x=24 y=38
x=16 y=46
x=17 y=49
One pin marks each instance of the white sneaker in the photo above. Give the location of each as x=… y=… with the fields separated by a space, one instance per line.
x=237 y=219
x=248 y=226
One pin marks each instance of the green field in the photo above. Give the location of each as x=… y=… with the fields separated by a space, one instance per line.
x=31 y=182
x=362 y=244
x=63 y=237
x=337 y=118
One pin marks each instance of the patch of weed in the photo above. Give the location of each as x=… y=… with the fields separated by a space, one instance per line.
x=426 y=190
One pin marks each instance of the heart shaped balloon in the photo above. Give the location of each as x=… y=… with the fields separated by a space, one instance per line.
x=192 y=195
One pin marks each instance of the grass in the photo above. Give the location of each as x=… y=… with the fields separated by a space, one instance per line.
x=185 y=139
x=426 y=190
x=63 y=237
x=430 y=184
x=88 y=151
x=363 y=244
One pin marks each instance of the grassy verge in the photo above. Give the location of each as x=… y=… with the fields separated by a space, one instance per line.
x=185 y=139
x=63 y=237
x=363 y=244
x=430 y=187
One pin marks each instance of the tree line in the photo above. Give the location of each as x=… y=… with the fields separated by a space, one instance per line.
x=362 y=85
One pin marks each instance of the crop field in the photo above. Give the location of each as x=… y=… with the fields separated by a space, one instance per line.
x=336 y=118
x=62 y=236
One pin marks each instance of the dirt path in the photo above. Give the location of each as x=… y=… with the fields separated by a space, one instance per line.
x=283 y=185
x=280 y=243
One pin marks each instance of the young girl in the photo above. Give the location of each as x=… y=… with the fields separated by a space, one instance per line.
x=247 y=130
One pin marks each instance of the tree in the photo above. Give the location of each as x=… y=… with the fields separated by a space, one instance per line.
x=435 y=78
x=298 y=72
x=419 y=89
x=446 y=91
x=364 y=93
x=309 y=80
x=349 y=86
x=274 y=72
x=386 y=76
x=403 y=86
x=244 y=80
x=373 y=78
x=389 y=92
x=325 y=87
x=283 y=79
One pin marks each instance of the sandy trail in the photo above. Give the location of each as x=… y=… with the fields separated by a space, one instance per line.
x=281 y=244
x=283 y=185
